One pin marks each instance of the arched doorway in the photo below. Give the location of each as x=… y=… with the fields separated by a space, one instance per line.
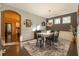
x=10 y=26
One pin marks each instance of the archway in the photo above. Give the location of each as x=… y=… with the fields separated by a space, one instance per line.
x=10 y=26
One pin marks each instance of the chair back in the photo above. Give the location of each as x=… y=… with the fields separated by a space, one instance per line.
x=56 y=33
x=38 y=35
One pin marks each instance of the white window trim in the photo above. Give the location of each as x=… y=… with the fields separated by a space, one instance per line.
x=66 y=22
x=57 y=18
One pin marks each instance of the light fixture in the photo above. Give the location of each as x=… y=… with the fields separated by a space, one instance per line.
x=50 y=21
x=49 y=12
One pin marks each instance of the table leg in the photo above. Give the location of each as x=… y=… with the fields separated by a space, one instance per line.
x=44 y=42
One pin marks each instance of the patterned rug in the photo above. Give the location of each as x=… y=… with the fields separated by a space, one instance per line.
x=58 y=49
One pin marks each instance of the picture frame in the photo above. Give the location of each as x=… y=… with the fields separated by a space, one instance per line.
x=28 y=23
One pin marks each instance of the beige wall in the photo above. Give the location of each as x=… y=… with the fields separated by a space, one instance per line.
x=26 y=33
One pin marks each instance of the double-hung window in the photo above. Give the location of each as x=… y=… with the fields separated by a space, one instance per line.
x=57 y=21
x=66 y=19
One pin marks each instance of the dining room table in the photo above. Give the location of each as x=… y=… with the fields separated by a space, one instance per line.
x=44 y=35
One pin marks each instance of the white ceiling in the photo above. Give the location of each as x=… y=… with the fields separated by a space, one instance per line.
x=41 y=9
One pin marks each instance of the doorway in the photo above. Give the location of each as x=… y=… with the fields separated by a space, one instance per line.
x=8 y=32
x=10 y=26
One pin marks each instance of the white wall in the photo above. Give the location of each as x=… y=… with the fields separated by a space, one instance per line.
x=26 y=33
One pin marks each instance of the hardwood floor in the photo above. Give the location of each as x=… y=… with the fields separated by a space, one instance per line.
x=24 y=52
x=73 y=49
x=16 y=50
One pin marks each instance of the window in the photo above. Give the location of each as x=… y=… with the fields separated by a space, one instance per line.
x=57 y=20
x=66 y=19
x=38 y=27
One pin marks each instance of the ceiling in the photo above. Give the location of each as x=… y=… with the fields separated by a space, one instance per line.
x=42 y=9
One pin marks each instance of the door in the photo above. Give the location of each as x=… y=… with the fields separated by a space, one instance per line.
x=8 y=32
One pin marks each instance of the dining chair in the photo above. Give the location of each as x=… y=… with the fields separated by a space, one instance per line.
x=50 y=39
x=56 y=35
x=40 y=40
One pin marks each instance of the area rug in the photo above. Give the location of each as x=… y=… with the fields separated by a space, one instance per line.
x=58 y=49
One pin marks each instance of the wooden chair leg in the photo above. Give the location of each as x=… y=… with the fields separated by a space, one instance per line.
x=40 y=43
x=37 y=43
